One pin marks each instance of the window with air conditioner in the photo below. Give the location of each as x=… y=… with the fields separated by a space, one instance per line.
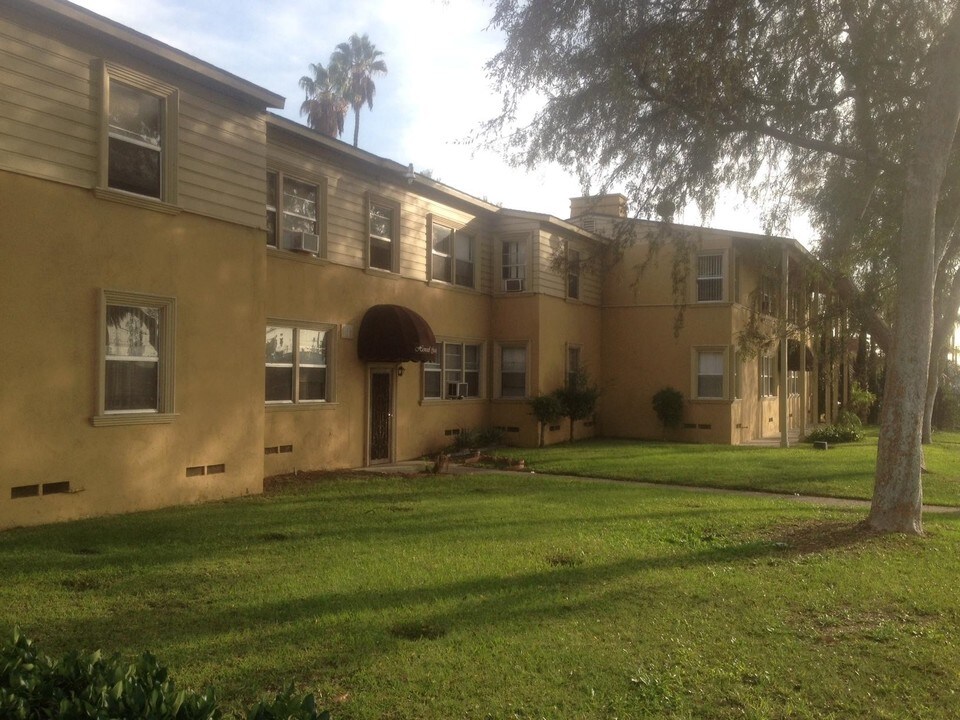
x=293 y=214
x=456 y=374
x=513 y=265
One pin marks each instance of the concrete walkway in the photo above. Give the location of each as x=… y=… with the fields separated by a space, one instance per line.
x=412 y=467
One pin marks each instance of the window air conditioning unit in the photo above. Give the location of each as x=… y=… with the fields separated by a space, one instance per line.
x=513 y=285
x=457 y=391
x=304 y=242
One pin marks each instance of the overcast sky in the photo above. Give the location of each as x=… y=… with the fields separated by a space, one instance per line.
x=435 y=94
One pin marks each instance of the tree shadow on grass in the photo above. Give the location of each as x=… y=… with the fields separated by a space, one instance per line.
x=817 y=536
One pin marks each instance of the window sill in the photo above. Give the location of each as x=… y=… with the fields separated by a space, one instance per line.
x=140 y=201
x=511 y=400
x=299 y=407
x=443 y=402
x=710 y=401
x=519 y=293
x=295 y=256
x=452 y=286
x=379 y=272
x=116 y=419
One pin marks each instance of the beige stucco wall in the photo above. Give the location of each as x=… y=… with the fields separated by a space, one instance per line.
x=60 y=248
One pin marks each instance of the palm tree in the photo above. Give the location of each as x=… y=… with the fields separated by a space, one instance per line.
x=324 y=103
x=361 y=62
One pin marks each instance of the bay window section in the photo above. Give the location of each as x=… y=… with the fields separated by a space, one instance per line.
x=452 y=255
x=513 y=372
x=513 y=265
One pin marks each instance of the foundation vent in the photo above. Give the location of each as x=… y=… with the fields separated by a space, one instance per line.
x=689 y=426
x=56 y=488
x=271 y=450
x=554 y=428
x=451 y=431
x=196 y=470
x=286 y=448
x=704 y=426
x=24 y=491
x=216 y=469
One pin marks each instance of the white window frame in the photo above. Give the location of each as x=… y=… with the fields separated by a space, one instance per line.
x=710 y=279
x=296 y=327
x=793 y=383
x=768 y=295
x=767 y=377
x=518 y=270
x=458 y=239
x=507 y=346
x=737 y=371
x=394 y=240
x=167 y=321
x=699 y=354
x=275 y=239
x=169 y=98
x=448 y=374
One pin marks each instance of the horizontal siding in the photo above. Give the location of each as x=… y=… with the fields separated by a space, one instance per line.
x=48 y=121
x=550 y=281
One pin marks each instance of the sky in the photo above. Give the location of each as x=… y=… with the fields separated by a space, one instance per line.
x=435 y=95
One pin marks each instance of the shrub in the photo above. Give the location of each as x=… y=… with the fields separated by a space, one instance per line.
x=668 y=405
x=578 y=398
x=87 y=686
x=861 y=400
x=848 y=428
x=547 y=409
x=490 y=437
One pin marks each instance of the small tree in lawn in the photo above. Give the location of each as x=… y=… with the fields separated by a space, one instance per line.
x=668 y=405
x=578 y=399
x=547 y=410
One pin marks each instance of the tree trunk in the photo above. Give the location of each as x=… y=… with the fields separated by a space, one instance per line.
x=543 y=428
x=571 y=429
x=897 y=496
x=933 y=384
x=356 y=125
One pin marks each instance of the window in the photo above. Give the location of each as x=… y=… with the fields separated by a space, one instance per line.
x=573 y=364
x=452 y=255
x=710 y=278
x=513 y=372
x=767 y=296
x=455 y=374
x=573 y=274
x=137 y=358
x=793 y=382
x=513 y=265
x=383 y=223
x=293 y=214
x=297 y=365
x=737 y=371
x=138 y=137
x=766 y=376
x=710 y=374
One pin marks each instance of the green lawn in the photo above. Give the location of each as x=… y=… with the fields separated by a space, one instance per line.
x=495 y=596
x=844 y=471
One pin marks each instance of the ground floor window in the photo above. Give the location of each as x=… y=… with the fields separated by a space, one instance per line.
x=137 y=355
x=793 y=382
x=297 y=364
x=710 y=374
x=513 y=372
x=455 y=374
x=766 y=376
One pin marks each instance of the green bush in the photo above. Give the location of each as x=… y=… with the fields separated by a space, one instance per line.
x=668 y=405
x=87 y=686
x=848 y=428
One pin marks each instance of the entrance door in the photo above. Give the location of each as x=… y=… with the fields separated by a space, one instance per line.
x=381 y=415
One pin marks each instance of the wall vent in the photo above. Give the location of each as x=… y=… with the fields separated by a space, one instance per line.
x=286 y=448
x=271 y=450
x=216 y=469
x=704 y=426
x=55 y=488
x=24 y=491
x=451 y=431
x=689 y=426
x=554 y=428
x=196 y=470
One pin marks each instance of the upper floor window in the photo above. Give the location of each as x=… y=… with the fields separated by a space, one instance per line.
x=513 y=265
x=452 y=255
x=767 y=296
x=293 y=214
x=455 y=374
x=710 y=374
x=573 y=274
x=138 y=135
x=137 y=358
x=383 y=225
x=297 y=364
x=710 y=277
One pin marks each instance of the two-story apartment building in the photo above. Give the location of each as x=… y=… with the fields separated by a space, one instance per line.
x=198 y=293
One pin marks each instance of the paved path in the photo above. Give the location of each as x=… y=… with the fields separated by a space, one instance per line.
x=415 y=466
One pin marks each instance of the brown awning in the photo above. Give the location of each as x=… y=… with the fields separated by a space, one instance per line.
x=793 y=356
x=393 y=333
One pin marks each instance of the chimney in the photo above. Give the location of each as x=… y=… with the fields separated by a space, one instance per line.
x=612 y=205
